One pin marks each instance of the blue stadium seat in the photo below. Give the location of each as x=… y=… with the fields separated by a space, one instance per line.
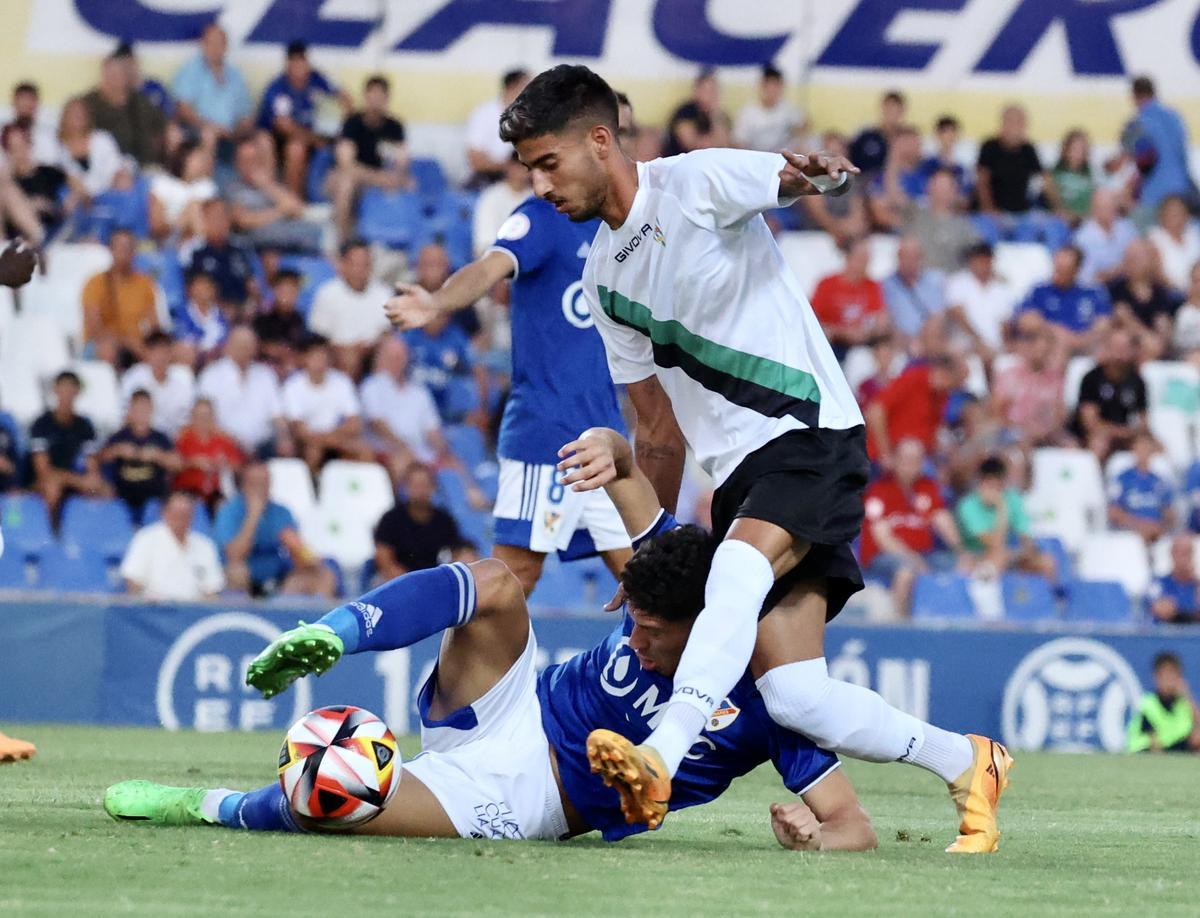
x=451 y=224
x=1098 y=601
x=97 y=527
x=26 y=525
x=467 y=443
x=1028 y=598
x=73 y=568
x=318 y=169
x=127 y=209
x=474 y=525
x=164 y=266
x=1064 y=567
x=430 y=179
x=391 y=218
x=14 y=573
x=461 y=398
x=314 y=271
x=942 y=596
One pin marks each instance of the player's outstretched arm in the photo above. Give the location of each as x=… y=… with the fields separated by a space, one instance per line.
x=602 y=458
x=827 y=818
x=414 y=306
x=815 y=173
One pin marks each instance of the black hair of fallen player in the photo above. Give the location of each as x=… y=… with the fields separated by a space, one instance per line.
x=556 y=98
x=665 y=577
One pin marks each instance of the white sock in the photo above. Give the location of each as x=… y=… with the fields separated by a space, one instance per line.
x=718 y=649
x=847 y=718
x=210 y=806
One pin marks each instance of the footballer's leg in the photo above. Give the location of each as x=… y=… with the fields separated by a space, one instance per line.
x=792 y=676
x=14 y=750
x=525 y=563
x=398 y=613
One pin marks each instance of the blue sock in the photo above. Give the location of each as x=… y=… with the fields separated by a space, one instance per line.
x=405 y=610
x=262 y=810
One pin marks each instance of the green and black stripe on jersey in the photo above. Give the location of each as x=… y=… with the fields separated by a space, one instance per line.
x=758 y=383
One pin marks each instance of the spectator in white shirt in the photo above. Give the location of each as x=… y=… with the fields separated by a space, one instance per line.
x=487 y=154
x=322 y=408
x=172 y=386
x=245 y=395
x=91 y=158
x=1103 y=238
x=403 y=425
x=177 y=195
x=166 y=561
x=1177 y=240
x=496 y=202
x=348 y=309
x=771 y=123
x=980 y=301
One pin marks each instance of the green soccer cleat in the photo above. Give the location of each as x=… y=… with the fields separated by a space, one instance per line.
x=157 y=803
x=303 y=650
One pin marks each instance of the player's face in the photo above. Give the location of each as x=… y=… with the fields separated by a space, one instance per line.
x=657 y=642
x=566 y=170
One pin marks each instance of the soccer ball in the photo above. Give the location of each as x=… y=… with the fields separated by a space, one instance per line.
x=339 y=765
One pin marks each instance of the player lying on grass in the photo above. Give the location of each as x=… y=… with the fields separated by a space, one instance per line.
x=713 y=336
x=504 y=750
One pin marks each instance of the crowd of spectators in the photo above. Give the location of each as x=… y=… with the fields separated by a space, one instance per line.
x=960 y=372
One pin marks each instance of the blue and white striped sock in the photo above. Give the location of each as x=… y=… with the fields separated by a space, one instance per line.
x=406 y=610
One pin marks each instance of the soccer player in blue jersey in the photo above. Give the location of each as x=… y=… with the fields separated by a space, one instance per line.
x=504 y=749
x=560 y=386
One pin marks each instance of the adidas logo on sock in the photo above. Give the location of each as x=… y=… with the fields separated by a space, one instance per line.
x=370 y=615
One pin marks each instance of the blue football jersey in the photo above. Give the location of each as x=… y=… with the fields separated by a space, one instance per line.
x=606 y=687
x=560 y=380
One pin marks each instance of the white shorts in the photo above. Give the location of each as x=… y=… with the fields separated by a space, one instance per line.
x=489 y=764
x=534 y=511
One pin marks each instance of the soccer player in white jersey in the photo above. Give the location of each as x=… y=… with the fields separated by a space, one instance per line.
x=699 y=312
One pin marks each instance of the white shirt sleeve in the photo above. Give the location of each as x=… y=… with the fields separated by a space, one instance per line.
x=428 y=420
x=322 y=319
x=104 y=162
x=211 y=575
x=293 y=398
x=723 y=188
x=371 y=404
x=135 y=565
x=630 y=355
x=348 y=406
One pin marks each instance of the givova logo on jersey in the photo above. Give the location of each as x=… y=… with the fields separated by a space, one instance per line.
x=636 y=240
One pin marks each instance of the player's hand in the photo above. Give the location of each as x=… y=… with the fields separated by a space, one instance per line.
x=796 y=826
x=618 y=600
x=17 y=263
x=794 y=177
x=412 y=307
x=589 y=463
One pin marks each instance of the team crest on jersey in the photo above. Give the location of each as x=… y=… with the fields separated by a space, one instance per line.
x=659 y=236
x=551 y=519
x=514 y=228
x=723 y=716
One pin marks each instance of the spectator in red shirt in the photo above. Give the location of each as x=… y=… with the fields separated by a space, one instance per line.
x=905 y=516
x=849 y=305
x=208 y=453
x=912 y=405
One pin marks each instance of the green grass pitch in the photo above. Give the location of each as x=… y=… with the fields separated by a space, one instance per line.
x=1082 y=835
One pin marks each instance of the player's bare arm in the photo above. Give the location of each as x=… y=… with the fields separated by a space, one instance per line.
x=658 y=441
x=414 y=307
x=828 y=817
x=814 y=173
x=602 y=458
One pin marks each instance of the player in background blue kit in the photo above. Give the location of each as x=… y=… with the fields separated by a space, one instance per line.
x=560 y=385
x=504 y=749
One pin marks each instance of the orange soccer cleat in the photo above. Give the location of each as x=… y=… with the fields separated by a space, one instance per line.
x=636 y=772
x=976 y=793
x=13 y=750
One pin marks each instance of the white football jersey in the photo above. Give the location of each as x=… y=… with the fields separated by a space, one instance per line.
x=693 y=288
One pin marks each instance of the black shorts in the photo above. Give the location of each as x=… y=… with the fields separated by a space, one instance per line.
x=810 y=483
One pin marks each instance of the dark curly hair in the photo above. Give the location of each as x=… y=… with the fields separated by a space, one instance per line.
x=556 y=98
x=666 y=576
